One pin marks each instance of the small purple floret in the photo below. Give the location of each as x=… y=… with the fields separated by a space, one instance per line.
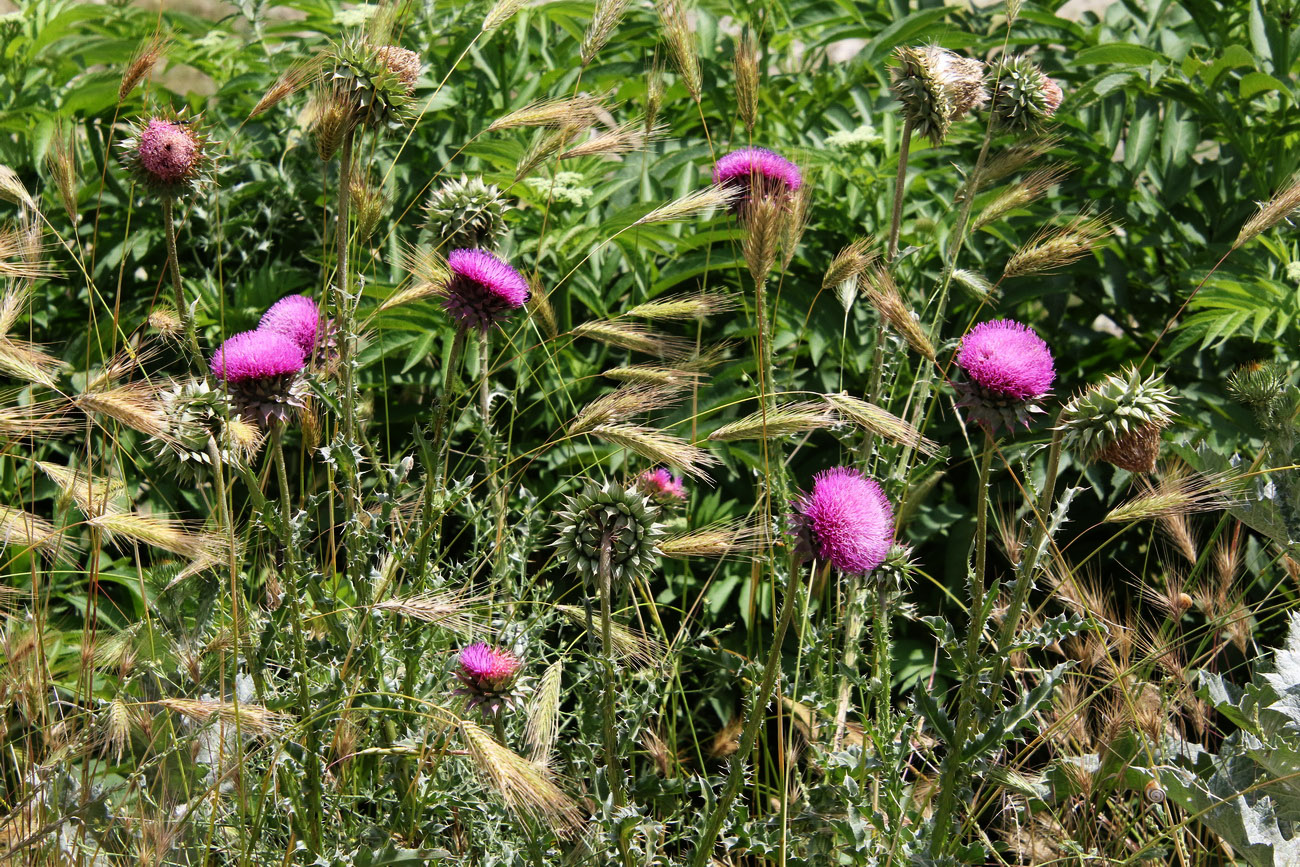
x=746 y=167
x=662 y=486
x=848 y=519
x=294 y=316
x=254 y=355
x=483 y=289
x=1007 y=359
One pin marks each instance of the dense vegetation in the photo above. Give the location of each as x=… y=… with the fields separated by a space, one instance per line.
x=602 y=495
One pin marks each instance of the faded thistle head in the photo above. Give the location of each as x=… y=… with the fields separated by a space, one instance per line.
x=612 y=519
x=378 y=82
x=465 y=214
x=169 y=155
x=937 y=87
x=1119 y=420
x=1005 y=370
x=662 y=486
x=1024 y=98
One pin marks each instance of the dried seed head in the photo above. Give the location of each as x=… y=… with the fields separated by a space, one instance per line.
x=974 y=283
x=694 y=204
x=546 y=146
x=1019 y=194
x=1178 y=493
x=251 y=719
x=882 y=423
x=724 y=539
x=332 y=115
x=764 y=220
x=142 y=63
x=1119 y=420
x=694 y=306
x=94 y=495
x=62 y=163
x=682 y=44
x=160 y=531
x=658 y=447
x=544 y=715
x=654 y=93
x=936 y=87
x=526 y=789
x=12 y=189
x=631 y=646
x=604 y=21
x=1024 y=99
x=370 y=203
x=501 y=12
x=785 y=420
x=1279 y=209
x=1056 y=247
x=624 y=403
x=851 y=262
x=540 y=309
x=451 y=611
x=747 y=77
x=625 y=138
x=573 y=111
x=136 y=405
x=299 y=74
x=32 y=533
x=635 y=337
x=883 y=294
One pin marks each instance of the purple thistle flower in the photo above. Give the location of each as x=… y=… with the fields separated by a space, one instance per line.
x=756 y=171
x=662 y=486
x=1007 y=367
x=262 y=370
x=483 y=289
x=167 y=150
x=294 y=316
x=847 y=520
x=488 y=673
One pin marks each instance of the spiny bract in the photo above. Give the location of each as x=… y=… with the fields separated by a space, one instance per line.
x=1119 y=420
x=624 y=516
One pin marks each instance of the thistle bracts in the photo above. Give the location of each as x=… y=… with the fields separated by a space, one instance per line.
x=169 y=155
x=623 y=518
x=1024 y=98
x=1119 y=420
x=194 y=412
x=937 y=87
x=1265 y=387
x=377 y=82
x=466 y=213
x=487 y=675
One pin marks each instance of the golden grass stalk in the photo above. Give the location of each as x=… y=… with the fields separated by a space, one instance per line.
x=23 y=360
x=93 y=495
x=541 y=310
x=654 y=91
x=557 y=113
x=765 y=220
x=126 y=361
x=850 y=262
x=501 y=12
x=544 y=148
x=883 y=294
x=160 y=531
x=693 y=204
x=882 y=423
x=299 y=74
x=31 y=532
x=451 y=611
x=1276 y=210
x=429 y=277
x=631 y=646
x=747 y=77
x=20 y=254
x=253 y=719
x=1022 y=193
x=43 y=419
x=135 y=405
x=1178 y=494
x=12 y=189
x=623 y=403
x=1055 y=247
x=723 y=539
x=1008 y=162
x=651 y=375
x=62 y=163
x=633 y=336
x=682 y=44
x=527 y=790
x=658 y=447
x=543 y=715
x=604 y=21
x=142 y=62
x=625 y=138
x=119 y=720
x=784 y=420
x=695 y=305
x=796 y=221
x=974 y=283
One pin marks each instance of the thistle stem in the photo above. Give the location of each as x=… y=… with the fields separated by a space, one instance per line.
x=312 y=751
x=852 y=632
x=896 y=220
x=703 y=854
x=174 y=268
x=613 y=766
x=435 y=476
x=952 y=761
x=342 y=304
x=959 y=232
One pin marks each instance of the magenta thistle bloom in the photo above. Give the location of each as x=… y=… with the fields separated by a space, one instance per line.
x=488 y=673
x=296 y=317
x=483 y=289
x=757 y=172
x=847 y=520
x=168 y=150
x=1007 y=368
x=662 y=486
x=262 y=370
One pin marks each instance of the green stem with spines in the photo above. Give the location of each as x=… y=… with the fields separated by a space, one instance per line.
x=178 y=288
x=609 y=728
x=435 y=476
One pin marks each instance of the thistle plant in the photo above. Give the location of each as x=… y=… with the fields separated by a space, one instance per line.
x=1119 y=420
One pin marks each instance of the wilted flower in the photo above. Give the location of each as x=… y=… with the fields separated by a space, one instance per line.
x=263 y=372
x=167 y=156
x=483 y=289
x=662 y=486
x=758 y=173
x=488 y=674
x=937 y=87
x=1024 y=98
x=1119 y=420
x=622 y=518
x=846 y=520
x=466 y=214
x=296 y=317
x=1007 y=369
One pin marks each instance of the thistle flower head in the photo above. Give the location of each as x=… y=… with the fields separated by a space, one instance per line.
x=378 y=82
x=193 y=411
x=466 y=214
x=756 y=173
x=488 y=675
x=294 y=316
x=169 y=156
x=621 y=519
x=846 y=520
x=482 y=289
x=1024 y=98
x=263 y=372
x=1265 y=387
x=662 y=486
x=1119 y=420
x=937 y=87
x=1007 y=369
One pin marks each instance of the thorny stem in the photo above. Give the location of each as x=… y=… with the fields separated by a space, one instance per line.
x=174 y=267
x=312 y=751
x=703 y=854
x=342 y=306
x=613 y=767
x=895 y=222
x=496 y=492
x=952 y=761
x=959 y=232
x=435 y=476
x=852 y=631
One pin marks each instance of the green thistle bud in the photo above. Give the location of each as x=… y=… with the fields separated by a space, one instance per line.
x=622 y=518
x=378 y=82
x=466 y=214
x=937 y=87
x=195 y=412
x=1119 y=420
x=1264 y=387
x=1024 y=99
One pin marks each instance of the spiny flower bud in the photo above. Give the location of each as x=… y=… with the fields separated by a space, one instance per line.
x=1007 y=368
x=466 y=214
x=1119 y=420
x=169 y=156
x=1265 y=387
x=377 y=82
x=488 y=675
x=1024 y=99
x=621 y=519
x=937 y=87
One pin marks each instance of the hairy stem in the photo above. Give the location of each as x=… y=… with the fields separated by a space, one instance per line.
x=613 y=767
x=435 y=476
x=896 y=220
x=174 y=268
x=852 y=632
